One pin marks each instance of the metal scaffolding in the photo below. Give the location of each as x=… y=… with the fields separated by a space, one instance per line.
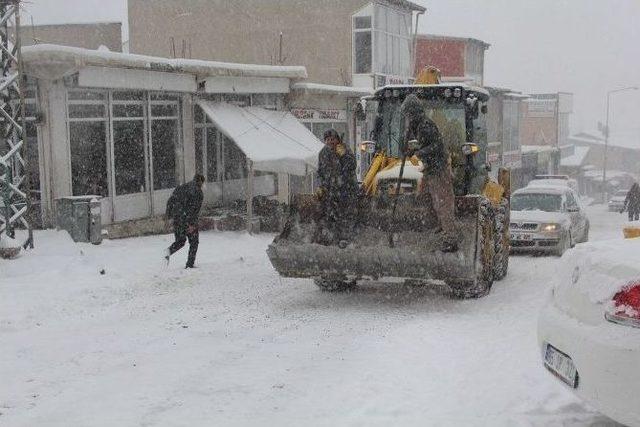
x=14 y=177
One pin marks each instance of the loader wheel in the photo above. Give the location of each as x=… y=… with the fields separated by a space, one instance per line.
x=501 y=240
x=334 y=285
x=481 y=285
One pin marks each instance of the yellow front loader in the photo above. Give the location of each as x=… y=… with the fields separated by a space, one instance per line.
x=406 y=244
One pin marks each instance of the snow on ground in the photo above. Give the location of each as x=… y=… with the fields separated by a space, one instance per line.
x=231 y=343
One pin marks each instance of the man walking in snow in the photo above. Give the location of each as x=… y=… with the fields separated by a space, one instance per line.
x=436 y=168
x=184 y=207
x=632 y=202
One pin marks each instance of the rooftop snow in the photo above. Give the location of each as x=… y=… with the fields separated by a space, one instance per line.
x=624 y=139
x=577 y=158
x=332 y=89
x=537 y=148
x=66 y=60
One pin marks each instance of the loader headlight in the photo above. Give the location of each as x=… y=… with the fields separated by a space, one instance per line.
x=550 y=227
x=469 y=149
x=448 y=93
x=457 y=92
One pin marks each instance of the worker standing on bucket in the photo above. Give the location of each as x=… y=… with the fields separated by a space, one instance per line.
x=436 y=168
x=338 y=189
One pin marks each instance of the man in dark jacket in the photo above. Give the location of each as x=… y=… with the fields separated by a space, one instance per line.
x=183 y=207
x=437 y=179
x=632 y=202
x=338 y=184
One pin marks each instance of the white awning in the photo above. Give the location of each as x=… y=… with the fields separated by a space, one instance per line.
x=274 y=140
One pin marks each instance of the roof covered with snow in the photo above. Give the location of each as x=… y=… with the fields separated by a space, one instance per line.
x=67 y=60
x=317 y=88
x=577 y=158
x=623 y=139
x=537 y=149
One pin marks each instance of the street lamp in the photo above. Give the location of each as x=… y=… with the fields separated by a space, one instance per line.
x=606 y=141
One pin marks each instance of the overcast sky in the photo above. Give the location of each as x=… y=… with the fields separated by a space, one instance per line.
x=587 y=47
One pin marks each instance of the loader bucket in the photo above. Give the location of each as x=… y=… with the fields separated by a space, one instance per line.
x=413 y=253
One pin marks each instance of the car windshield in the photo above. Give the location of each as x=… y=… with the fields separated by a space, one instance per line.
x=450 y=119
x=536 y=202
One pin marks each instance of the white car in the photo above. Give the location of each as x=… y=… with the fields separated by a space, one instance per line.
x=547 y=219
x=617 y=200
x=589 y=331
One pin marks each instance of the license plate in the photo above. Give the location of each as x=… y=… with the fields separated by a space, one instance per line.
x=518 y=236
x=561 y=366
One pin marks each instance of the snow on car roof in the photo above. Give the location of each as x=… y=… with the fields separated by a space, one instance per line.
x=548 y=183
x=542 y=190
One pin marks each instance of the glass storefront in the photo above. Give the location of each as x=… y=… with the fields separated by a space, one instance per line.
x=123 y=144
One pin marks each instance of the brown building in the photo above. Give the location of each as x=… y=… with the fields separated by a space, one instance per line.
x=88 y=36
x=362 y=43
x=457 y=58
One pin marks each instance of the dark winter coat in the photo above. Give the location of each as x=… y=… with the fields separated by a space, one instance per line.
x=432 y=152
x=632 y=202
x=185 y=203
x=337 y=174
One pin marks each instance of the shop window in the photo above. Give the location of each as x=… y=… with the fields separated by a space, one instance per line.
x=392 y=41
x=88 y=142
x=235 y=162
x=362 y=52
x=88 y=158
x=212 y=153
x=164 y=136
x=86 y=111
x=362 y=44
x=128 y=152
x=128 y=110
x=206 y=146
x=198 y=135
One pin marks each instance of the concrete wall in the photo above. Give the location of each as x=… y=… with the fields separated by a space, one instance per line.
x=89 y=36
x=247 y=31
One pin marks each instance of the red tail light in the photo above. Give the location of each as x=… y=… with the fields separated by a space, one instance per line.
x=626 y=306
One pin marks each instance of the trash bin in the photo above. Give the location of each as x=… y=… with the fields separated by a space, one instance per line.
x=81 y=216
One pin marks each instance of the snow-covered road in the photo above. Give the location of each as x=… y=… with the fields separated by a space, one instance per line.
x=233 y=344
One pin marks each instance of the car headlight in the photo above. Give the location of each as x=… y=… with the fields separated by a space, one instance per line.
x=550 y=227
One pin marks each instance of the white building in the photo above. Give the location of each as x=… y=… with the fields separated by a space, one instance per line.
x=130 y=128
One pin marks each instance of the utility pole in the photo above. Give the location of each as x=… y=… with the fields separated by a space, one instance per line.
x=14 y=176
x=605 y=196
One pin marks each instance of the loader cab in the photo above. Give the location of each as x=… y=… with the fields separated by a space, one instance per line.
x=458 y=111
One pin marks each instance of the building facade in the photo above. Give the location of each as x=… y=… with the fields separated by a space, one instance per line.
x=546 y=119
x=457 y=58
x=361 y=43
x=130 y=128
x=88 y=35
